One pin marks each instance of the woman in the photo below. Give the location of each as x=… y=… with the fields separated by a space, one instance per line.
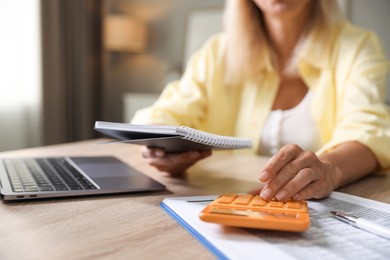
x=295 y=78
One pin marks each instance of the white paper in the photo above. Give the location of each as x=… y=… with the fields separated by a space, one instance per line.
x=327 y=237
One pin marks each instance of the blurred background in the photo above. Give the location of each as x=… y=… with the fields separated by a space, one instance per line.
x=66 y=63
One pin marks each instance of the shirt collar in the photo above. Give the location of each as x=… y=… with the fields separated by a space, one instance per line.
x=317 y=53
x=312 y=54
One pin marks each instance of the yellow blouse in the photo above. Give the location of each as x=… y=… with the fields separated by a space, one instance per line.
x=348 y=81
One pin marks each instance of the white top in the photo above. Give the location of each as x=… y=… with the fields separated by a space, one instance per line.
x=292 y=126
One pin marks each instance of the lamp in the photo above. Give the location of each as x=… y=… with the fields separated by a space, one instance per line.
x=123 y=33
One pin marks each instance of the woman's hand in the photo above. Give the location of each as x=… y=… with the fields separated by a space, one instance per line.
x=297 y=174
x=173 y=163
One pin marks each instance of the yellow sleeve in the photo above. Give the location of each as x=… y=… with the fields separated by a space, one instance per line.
x=363 y=115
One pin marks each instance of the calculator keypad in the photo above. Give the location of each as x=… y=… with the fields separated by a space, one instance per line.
x=247 y=210
x=255 y=202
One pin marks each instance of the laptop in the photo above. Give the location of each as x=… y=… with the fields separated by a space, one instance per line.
x=51 y=177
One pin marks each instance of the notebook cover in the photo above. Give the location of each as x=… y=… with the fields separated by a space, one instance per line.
x=171 y=138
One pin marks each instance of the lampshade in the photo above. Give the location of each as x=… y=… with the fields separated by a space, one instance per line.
x=123 y=33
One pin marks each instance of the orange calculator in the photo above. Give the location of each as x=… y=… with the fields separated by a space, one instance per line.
x=251 y=211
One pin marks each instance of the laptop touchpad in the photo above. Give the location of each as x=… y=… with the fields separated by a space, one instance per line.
x=104 y=167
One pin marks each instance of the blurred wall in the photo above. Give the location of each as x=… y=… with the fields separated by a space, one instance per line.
x=163 y=58
x=373 y=15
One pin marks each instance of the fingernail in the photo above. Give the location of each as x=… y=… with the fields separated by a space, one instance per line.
x=159 y=153
x=281 y=195
x=264 y=176
x=266 y=194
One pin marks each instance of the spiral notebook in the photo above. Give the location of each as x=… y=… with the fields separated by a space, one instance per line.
x=171 y=138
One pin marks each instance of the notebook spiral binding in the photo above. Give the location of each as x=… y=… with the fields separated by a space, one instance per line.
x=212 y=139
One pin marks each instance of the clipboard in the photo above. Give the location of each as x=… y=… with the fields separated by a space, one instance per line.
x=327 y=237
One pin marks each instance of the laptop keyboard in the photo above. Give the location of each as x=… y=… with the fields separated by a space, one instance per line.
x=46 y=174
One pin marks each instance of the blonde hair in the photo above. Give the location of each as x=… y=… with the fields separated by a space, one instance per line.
x=247 y=39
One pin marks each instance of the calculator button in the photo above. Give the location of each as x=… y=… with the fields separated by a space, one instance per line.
x=294 y=205
x=226 y=199
x=258 y=201
x=276 y=204
x=243 y=199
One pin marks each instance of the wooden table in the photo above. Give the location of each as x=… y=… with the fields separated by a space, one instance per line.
x=130 y=226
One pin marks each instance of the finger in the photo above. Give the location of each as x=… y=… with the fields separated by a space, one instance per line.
x=285 y=155
x=304 y=178
x=152 y=152
x=315 y=190
x=184 y=158
x=309 y=192
x=175 y=163
x=306 y=160
x=172 y=160
x=162 y=164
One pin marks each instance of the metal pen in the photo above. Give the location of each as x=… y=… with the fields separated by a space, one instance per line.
x=364 y=224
